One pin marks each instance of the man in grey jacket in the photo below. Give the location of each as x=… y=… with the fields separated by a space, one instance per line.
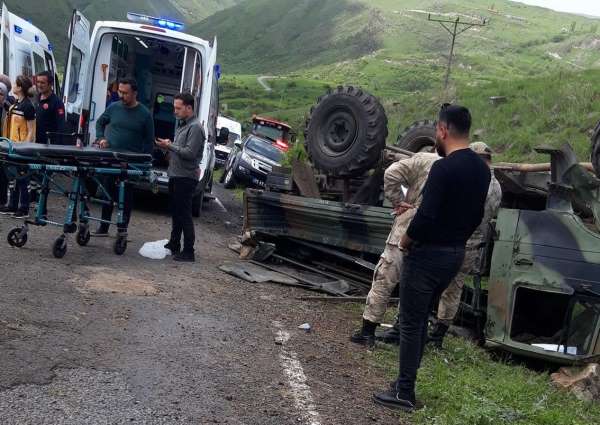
x=185 y=154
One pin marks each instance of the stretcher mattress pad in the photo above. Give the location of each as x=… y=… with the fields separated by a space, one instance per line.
x=65 y=153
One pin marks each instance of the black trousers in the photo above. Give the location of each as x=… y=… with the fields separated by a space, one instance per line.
x=3 y=186
x=181 y=192
x=427 y=271
x=111 y=185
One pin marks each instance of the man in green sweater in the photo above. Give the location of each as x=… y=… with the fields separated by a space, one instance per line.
x=126 y=126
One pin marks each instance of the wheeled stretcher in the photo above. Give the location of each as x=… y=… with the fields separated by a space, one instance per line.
x=84 y=168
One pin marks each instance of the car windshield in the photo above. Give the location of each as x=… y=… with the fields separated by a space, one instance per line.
x=265 y=149
x=269 y=132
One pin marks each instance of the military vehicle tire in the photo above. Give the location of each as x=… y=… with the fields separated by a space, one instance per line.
x=418 y=137
x=595 y=156
x=346 y=132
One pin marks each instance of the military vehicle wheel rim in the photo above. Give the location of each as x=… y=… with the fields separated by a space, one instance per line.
x=341 y=132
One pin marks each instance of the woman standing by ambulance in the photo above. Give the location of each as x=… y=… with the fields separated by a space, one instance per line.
x=19 y=126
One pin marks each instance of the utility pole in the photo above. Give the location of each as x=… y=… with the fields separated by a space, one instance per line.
x=454 y=31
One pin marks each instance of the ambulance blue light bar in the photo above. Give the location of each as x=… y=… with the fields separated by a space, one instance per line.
x=156 y=22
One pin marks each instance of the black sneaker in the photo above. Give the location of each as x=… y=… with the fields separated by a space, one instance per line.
x=4 y=210
x=21 y=214
x=185 y=257
x=174 y=248
x=395 y=400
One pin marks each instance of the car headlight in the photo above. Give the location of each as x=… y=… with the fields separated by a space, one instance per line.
x=246 y=158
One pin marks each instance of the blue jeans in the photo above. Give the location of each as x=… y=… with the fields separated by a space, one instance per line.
x=426 y=272
x=19 y=196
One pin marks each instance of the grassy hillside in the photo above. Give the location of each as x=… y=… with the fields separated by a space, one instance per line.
x=270 y=36
x=279 y=36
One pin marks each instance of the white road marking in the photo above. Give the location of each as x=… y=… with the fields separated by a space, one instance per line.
x=292 y=368
x=220 y=204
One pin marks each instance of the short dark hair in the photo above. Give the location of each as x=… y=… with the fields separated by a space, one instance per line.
x=25 y=83
x=457 y=118
x=130 y=82
x=48 y=75
x=186 y=98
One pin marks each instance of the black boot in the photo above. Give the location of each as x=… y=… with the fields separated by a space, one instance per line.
x=366 y=335
x=390 y=335
x=185 y=256
x=393 y=399
x=437 y=334
x=173 y=247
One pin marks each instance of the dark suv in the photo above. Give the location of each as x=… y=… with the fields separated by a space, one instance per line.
x=251 y=161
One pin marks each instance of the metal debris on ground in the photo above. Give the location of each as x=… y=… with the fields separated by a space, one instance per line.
x=253 y=273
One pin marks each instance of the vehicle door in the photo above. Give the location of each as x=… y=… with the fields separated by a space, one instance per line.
x=76 y=69
x=209 y=110
x=5 y=44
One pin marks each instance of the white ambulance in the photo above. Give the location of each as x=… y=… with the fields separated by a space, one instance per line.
x=25 y=49
x=164 y=61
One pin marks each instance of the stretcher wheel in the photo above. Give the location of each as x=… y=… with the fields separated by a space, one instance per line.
x=17 y=237
x=59 y=249
x=83 y=236
x=120 y=245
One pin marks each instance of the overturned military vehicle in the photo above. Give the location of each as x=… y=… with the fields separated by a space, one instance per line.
x=542 y=259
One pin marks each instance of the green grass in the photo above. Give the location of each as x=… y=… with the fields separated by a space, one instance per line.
x=465 y=385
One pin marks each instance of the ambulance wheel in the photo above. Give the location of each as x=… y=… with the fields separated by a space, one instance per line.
x=59 y=249
x=120 y=245
x=17 y=237
x=83 y=236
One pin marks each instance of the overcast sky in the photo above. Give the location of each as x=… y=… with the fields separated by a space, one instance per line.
x=587 y=7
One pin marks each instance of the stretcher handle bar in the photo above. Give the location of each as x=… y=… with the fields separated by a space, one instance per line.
x=11 y=149
x=73 y=168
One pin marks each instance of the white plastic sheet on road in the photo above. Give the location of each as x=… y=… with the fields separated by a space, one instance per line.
x=155 y=250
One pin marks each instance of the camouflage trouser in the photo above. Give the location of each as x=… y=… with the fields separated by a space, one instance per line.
x=386 y=277
x=450 y=299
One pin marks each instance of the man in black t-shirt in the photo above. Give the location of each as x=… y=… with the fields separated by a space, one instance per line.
x=50 y=111
x=434 y=243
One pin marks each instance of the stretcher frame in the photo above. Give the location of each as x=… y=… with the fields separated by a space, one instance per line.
x=78 y=215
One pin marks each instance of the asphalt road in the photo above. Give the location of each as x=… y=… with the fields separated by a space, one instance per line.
x=96 y=338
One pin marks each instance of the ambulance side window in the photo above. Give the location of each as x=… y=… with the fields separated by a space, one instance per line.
x=24 y=60
x=40 y=64
x=74 y=71
x=6 y=55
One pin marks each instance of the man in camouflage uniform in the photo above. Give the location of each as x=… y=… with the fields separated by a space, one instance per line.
x=450 y=298
x=411 y=173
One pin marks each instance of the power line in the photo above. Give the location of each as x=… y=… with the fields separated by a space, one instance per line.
x=454 y=31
